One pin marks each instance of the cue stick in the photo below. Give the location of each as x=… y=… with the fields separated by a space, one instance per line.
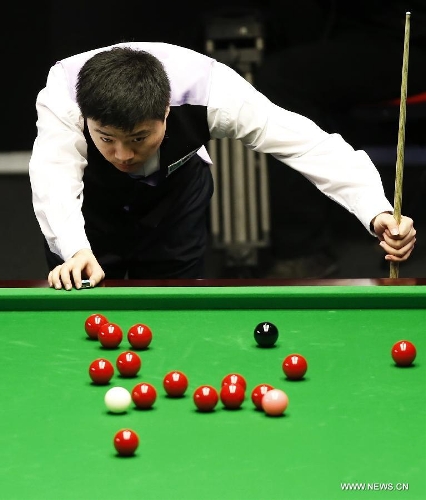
x=394 y=266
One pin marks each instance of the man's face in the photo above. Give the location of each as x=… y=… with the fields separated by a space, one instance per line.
x=128 y=151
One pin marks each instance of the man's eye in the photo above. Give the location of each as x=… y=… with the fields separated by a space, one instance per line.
x=105 y=139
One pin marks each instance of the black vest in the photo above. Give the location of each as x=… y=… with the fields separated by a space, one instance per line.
x=109 y=194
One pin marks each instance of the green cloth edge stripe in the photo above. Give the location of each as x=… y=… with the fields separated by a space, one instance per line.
x=234 y=297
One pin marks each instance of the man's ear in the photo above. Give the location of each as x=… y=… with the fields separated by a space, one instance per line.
x=167 y=112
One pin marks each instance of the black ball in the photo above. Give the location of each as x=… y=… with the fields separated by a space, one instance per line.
x=266 y=334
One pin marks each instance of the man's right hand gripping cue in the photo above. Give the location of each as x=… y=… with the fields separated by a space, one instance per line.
x=70 y=273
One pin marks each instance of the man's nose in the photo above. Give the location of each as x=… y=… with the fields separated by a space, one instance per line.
x=123 y=153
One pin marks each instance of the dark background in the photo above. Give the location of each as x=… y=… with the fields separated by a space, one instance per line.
x=38 y=34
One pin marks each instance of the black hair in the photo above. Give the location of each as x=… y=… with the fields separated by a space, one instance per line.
x=122 y=87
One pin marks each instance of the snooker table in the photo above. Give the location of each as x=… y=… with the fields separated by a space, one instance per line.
x=355 y=426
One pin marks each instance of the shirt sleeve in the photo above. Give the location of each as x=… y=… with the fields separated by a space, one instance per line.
x=237 y=110
x=56 y=167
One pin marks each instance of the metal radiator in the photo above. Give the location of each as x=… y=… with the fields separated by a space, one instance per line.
x=240 y=213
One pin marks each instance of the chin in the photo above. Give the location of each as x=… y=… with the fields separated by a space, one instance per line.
x=125 y=168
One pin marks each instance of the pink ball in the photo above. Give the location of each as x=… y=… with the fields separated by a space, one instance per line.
x=275 y=402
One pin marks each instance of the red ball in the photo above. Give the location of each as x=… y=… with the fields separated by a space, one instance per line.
x=235 y=378
x=205 y=398
x=144 y=395
x=101 y=371
x=175 y=384
x=126 y=442
x=128 y=364
x=232 y=396
x=110 y=335
x=294 y=366
x=403 y=353
x=139 y=336
x=257 y=394
x=93 y=323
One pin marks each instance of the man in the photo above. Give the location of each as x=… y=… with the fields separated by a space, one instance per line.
x=120 y=174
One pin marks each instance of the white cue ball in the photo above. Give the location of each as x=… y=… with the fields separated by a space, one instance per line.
x=117 y=399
